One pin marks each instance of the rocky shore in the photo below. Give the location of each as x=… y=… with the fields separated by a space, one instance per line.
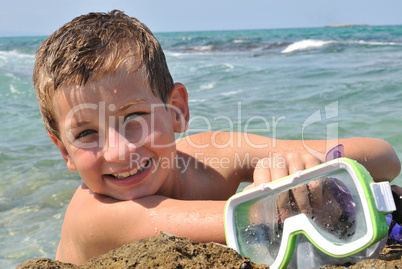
x=168 y=251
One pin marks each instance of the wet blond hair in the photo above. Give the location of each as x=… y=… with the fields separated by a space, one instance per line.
x=92 y=46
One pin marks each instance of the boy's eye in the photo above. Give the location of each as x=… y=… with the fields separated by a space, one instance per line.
x=132 y=116
x=84 y=133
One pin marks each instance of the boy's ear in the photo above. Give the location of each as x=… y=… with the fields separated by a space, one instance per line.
x=66 y=156
x=179 y=108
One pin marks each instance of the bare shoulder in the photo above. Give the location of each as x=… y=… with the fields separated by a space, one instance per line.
x=95 y=224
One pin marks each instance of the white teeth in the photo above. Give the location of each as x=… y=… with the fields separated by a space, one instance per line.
x=132 y=172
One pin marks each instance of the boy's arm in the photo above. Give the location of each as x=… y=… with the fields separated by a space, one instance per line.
x=376 y=155
x=245 y=150
x=95 y=224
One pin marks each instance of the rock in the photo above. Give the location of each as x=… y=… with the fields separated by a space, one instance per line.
x=168 y=251
x=164 y=251
x=46 y=263
x=390 y=257
x=347 y=25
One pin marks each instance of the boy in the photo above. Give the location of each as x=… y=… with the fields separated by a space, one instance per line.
x=110 y=105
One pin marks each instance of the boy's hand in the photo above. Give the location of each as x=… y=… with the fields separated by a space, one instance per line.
x=315 y=199
x=284 y=164
x=281 y=165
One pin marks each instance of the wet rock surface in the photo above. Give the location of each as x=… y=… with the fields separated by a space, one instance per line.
x=390 y=257
x=167 y=251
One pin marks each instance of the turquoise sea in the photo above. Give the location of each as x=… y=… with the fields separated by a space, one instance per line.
x=287 y=83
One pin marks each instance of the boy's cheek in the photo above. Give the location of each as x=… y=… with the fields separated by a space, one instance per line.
x=70 y=164
x=68 y=159
x=63 y=150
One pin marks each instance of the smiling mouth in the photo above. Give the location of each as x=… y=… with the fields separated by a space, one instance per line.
x=136 y=170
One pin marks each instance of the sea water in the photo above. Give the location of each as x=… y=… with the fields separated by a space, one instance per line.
x=313 y=83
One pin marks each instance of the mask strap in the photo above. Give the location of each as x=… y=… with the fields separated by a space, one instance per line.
x=335 y=153
x=396 y=219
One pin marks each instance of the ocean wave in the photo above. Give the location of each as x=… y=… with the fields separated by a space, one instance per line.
x=207 y=86
x=16 y=65
x=376 y=43
x=307 y=44
x=231 y=93
x=15 y=54
x=311 y=44
x=204 y=48
x=240 y=41
x=239 y=45
x=202 y=100
x=236 y=45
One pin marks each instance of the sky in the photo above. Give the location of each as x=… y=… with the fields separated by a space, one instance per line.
x=43 y=17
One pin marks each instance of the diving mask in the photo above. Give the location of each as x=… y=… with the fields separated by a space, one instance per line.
x=347 y=215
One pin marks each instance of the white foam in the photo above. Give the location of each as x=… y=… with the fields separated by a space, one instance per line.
x=15 y=54
x=230 y=66
x=375 y=43
x=239 y=41
x=203 y=48
x=13 y=89
x=310 y=44
x=197 y=100
x=207 y=86
x=231 y=93
x=307 y=44
x=174 y=54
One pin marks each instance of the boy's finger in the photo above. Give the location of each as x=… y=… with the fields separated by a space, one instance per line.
x=301 y=195
x=286 y=203
x=262 y=172
x=316 y=194
x=284 y=206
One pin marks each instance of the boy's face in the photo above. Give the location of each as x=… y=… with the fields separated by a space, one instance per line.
x=119 y=136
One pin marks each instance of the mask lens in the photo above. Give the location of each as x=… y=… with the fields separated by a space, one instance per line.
x=331 y=202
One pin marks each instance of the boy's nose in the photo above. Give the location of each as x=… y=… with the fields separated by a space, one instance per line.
x=117 y=147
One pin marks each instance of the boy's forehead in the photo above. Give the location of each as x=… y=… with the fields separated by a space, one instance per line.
x=126 y=72
x=110 y=83
x=120 y=90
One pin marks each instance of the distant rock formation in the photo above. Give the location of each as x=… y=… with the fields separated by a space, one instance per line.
x=347 y=25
